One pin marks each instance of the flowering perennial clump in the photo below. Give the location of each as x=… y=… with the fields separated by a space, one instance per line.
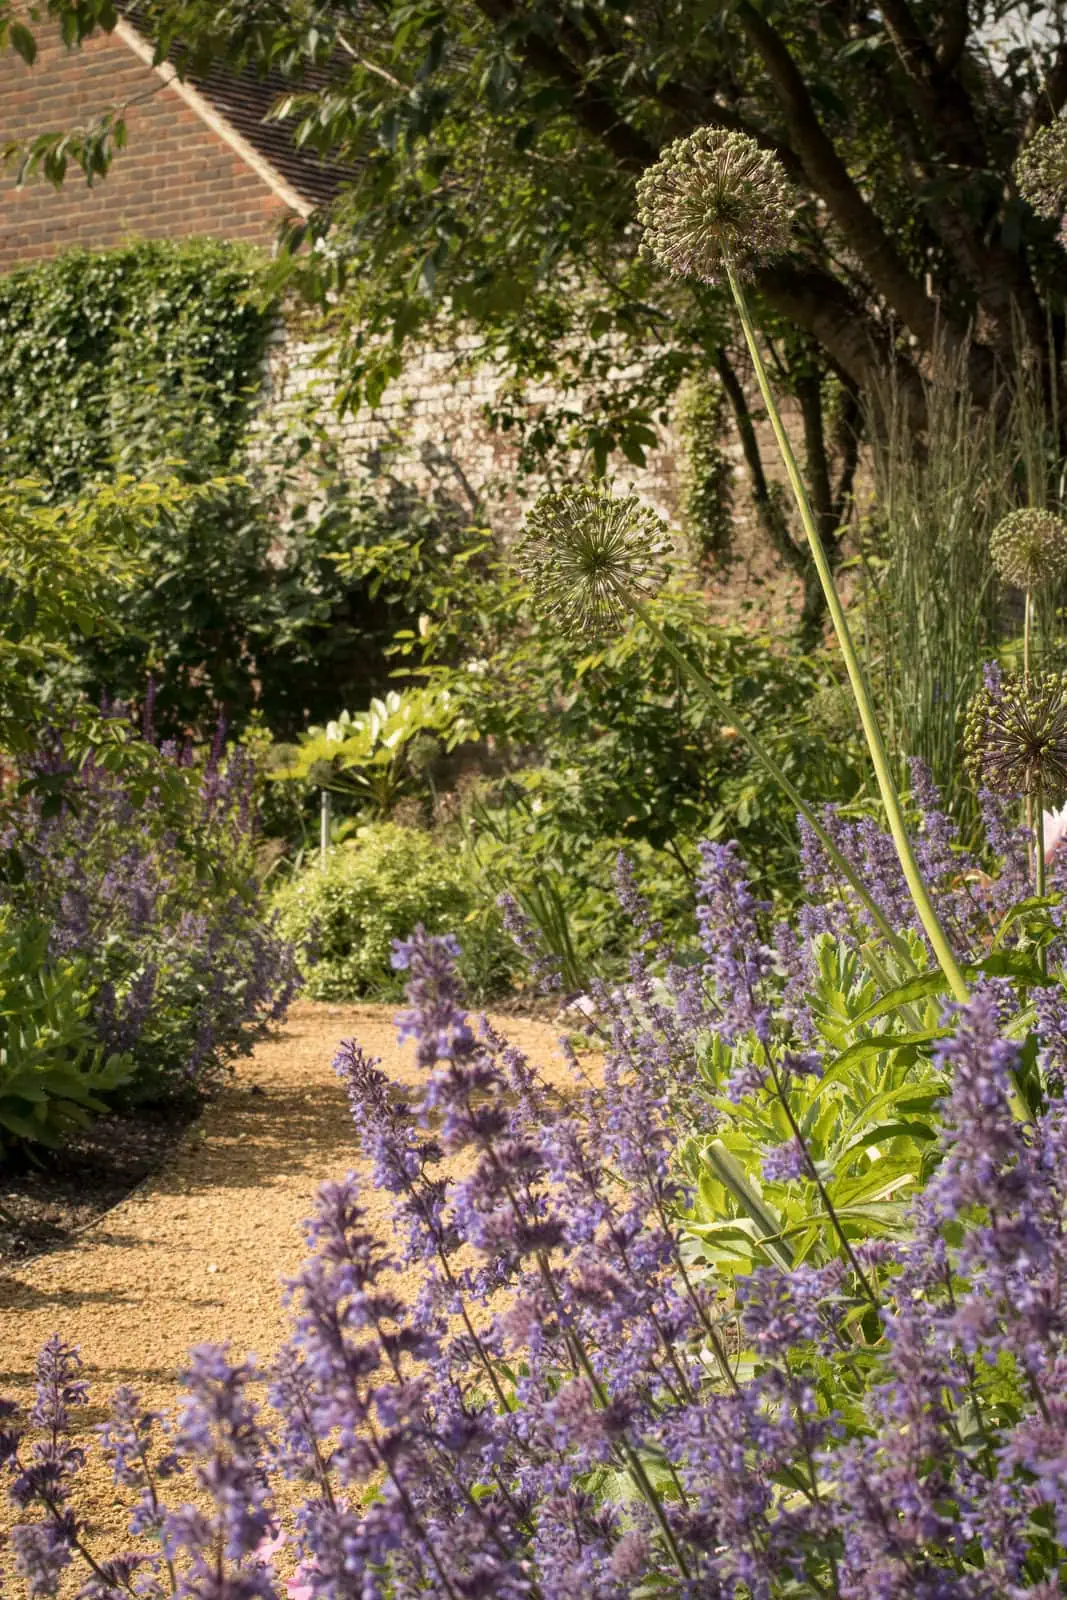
x=714 y=200
x=587 y=552
x=574 y=1403
x=179 y=978
x=1029 y=548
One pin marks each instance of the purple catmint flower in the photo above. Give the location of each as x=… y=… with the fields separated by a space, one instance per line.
x=437 y=1019
x=181 y=979
x=568 y=1403
x=738 y=961
x=544 y=966
x=220 y=1438
x=784 y=1163
x=43 y=1551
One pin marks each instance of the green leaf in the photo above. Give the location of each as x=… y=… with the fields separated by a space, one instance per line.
x=732 y=1176
x=23 y=42
x=922 y=987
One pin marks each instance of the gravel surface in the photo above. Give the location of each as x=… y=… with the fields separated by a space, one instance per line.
x=198 y=1252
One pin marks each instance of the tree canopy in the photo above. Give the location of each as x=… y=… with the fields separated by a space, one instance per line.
x=492 y=148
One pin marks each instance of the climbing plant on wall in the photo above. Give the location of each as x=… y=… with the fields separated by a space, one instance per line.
x=101 y=354
x=146 y=361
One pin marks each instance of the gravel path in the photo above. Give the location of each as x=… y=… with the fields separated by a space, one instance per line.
x=199 y=1251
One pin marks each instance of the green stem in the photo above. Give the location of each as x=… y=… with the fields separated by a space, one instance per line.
x=824 y=1195
x=706 y=688
x=1041 y=875
x=886 y=787
x=1027 y=610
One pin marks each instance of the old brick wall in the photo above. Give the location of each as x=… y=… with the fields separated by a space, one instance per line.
x=430 y=430
x=175 y=178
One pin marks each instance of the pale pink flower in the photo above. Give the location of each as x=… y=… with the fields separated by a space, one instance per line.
x=1055 y=830
x=297 y=1587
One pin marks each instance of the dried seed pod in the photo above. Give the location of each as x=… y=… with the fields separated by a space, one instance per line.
x=1041 y=170
x=1015 y=736
x=1029 y=548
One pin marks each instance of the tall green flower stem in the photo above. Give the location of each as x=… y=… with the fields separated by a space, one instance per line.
x=1035 y=816
x=1040 y=875
x=886 y=787
x=728 y=714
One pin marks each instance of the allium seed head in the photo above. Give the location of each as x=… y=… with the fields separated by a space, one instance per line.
x=1029 y=548
x=1041 y=170
x=1015 y=737
x=711 y=199
x=833 y=710
x=584 y=551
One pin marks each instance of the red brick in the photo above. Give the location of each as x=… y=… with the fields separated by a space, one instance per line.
x=175 y=179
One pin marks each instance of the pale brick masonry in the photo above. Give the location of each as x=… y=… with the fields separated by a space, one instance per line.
x=431 y=431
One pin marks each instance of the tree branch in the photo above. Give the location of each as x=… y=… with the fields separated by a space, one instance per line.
x=839 y=321
x=1051 y=101
x=950 y=40
x=847 y=437
x=808 y=386
x=594 y=109
x=830 y=179
x=941 y=99
x=768 y=512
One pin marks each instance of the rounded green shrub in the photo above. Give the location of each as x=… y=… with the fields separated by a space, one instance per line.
x=376 y=888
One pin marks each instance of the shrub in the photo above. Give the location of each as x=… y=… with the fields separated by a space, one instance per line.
x=152 y=893
x=629 y=751
x=81 y=332
x=376 y=888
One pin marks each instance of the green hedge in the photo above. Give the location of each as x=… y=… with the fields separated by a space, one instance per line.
x=98 y=351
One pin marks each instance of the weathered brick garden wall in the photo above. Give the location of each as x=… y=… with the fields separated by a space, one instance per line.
x=430 y=428
x=176 y=178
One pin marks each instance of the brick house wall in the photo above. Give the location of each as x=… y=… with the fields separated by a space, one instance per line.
x=177 y=176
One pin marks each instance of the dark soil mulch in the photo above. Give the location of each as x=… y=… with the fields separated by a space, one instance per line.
x=55 y=1194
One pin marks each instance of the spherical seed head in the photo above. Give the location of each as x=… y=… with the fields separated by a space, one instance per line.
x=711 y=199
x=584 y=551
x=1029 y=548
x=1015 y=737
x=1041 y=170
x=833 y=710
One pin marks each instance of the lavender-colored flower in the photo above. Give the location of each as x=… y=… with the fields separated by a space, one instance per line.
x=544 y=966
x=181 y=979
x=567 y=1404
x=738 y=960
x=220 y=1437
x=43 y=1552
x=785 y=1163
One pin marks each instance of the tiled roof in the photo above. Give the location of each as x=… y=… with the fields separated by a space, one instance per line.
x=245 y=99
